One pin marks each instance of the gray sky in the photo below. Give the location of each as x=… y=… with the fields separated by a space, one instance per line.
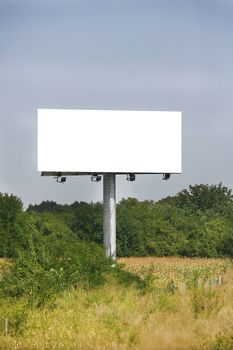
x=116 y=54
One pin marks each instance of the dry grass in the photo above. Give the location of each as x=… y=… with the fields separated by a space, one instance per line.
x=187 y=330
x=175 y=261
x=117 y=317
x=4 y=262
x=181 y=271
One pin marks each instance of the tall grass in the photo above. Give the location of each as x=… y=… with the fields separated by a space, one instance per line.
x=127 y=312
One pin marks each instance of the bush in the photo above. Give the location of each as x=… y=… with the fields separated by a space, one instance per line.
x=43 y=271
x=11 y=222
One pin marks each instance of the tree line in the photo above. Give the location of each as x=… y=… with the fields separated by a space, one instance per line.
x=198 y=221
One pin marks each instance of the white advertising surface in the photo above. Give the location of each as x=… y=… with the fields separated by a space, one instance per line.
x=109 y=141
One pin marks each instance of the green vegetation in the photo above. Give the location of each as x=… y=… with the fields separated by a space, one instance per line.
x=59 y=291
x=41 y=272
x=195 y=222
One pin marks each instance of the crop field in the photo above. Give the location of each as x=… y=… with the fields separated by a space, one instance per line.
x=186 y=272
x=176 y=304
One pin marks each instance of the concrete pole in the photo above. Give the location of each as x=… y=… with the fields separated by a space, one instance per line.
x=109 y=214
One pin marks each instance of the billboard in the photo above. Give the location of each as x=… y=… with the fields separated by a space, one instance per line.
x=109 y=141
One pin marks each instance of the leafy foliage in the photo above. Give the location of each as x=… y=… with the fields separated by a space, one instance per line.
x=198 y=221
x=200 y=198
x=42 y=271
x=12 y=225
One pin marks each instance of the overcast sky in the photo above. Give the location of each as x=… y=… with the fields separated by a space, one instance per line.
x=116 y=54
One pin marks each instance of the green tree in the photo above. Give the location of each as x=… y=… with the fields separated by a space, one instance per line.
x=87 y=222
x=204 y=197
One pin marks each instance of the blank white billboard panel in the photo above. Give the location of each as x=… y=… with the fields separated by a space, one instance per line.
x=106 y=141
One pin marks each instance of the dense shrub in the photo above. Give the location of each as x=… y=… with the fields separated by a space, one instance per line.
x=41 y=272
x=12 y=225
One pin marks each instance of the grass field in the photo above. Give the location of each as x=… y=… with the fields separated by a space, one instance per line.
x=183 y=304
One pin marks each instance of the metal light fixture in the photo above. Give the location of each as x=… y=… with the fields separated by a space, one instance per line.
x=95 y=178
x=131 y=177
x=166 y=176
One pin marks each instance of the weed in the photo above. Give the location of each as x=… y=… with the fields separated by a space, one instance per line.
x=205 y=302
x=223 y=341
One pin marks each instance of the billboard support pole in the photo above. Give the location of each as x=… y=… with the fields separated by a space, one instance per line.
x=109 y=214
